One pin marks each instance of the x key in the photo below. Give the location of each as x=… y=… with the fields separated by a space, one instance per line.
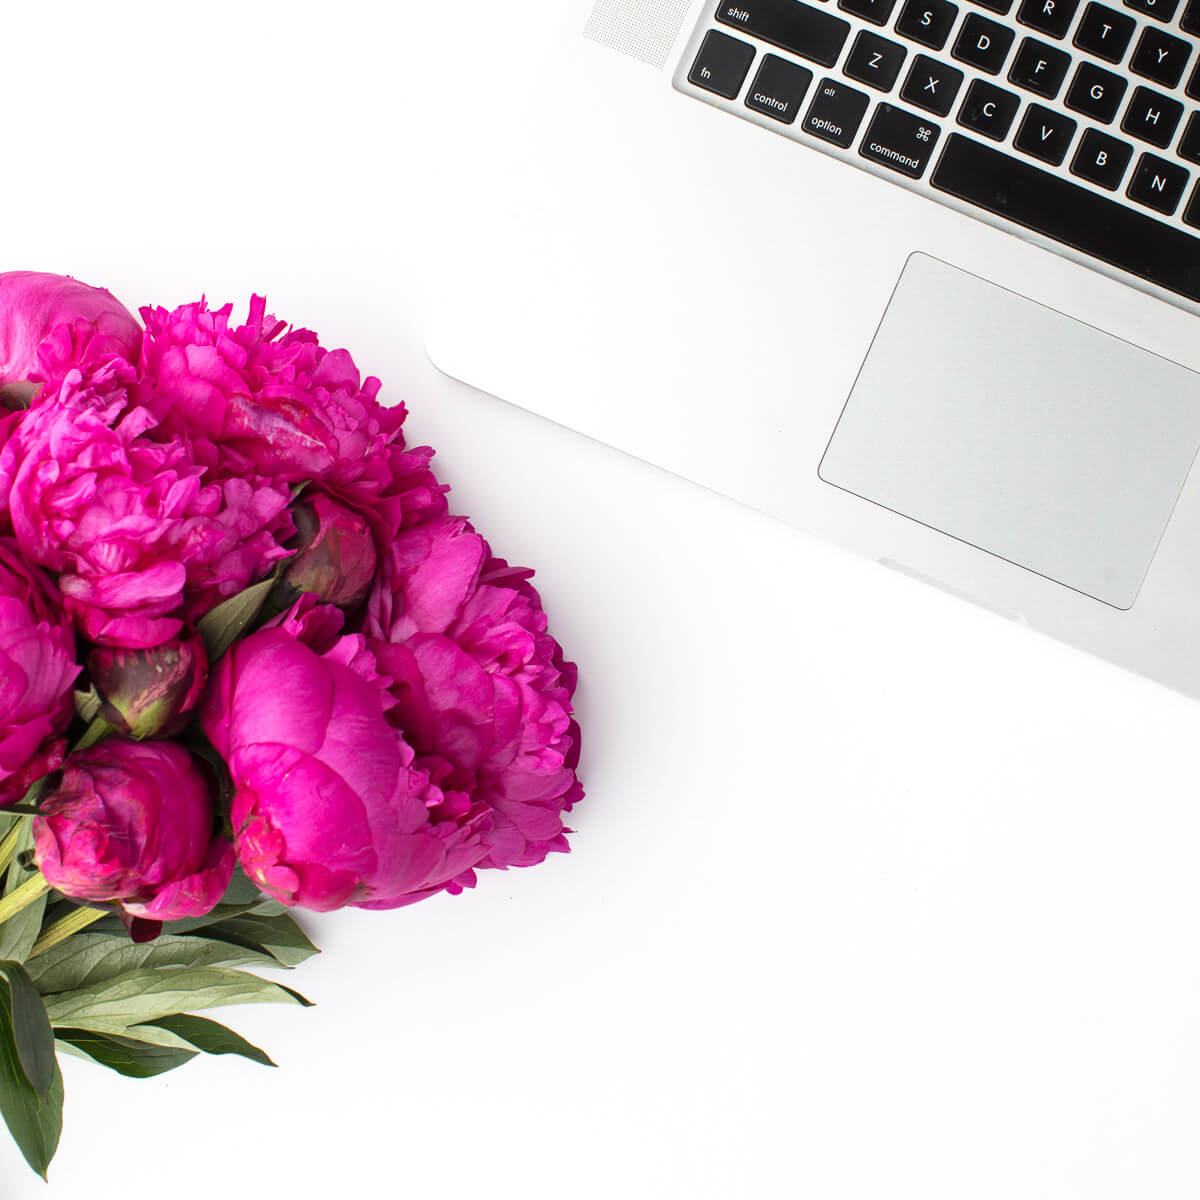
x=931 y=85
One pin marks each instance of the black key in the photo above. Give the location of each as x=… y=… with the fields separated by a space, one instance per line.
x=1163 y=10
x=875 y=11
x=778 y=88
x=899 y=140
x=927 y=21
x=1105 y=32
x=835 y=113
x=1152 y=117
x=1189 y=144
x=1193 y=87
x=792 y=26
x=1190 y=21
x=1052 y=17
x=1191 y=214
x=931 y=85
x=996 y=6
x=1160 y=56
x=982 y=43
x=1039 y=68
x=874 y=60
x=1157 y=183
x=988 y=110
x=721 y=64
x=1095 y=92
x=1045 y=134
x=1101 y=159
x=1069 y=213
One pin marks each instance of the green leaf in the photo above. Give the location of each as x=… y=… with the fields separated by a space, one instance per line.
x=35 y=1125
x=209 y=1036
x=138 y=1060
x=20 y=931
x=87 y=703
x=97 y=731
x=223 y=625
x=150 y=1034
x=30 y=1028
x=279 y=936
x=146 y=995
x=89 y=959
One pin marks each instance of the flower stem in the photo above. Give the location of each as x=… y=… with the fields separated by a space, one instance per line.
x=73 y=922
x=26 y=894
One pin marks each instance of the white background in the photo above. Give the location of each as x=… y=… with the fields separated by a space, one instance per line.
x=873 y=893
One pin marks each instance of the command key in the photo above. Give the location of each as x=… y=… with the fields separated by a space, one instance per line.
x=900 y=140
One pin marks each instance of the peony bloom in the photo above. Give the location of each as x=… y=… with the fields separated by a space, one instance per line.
x=49 y=323
x=149 y=693
x=140 y=536
x=482 y=691
x=276 y=403
x=37 y=669
x=131 y=824
x=329 y=808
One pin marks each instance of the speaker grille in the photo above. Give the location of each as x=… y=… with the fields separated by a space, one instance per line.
x=645 y=29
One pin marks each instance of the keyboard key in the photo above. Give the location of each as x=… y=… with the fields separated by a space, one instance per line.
x=927 y=21
x=1051 y=17
x=1190 y=21
x=1189 y=144
x=721 y=64
x=1045 y=134
x=1157 y=183
x=835 y=113
x=875 y=11
x=779 y=88
x=996 y=6
x=900 y=140
x=1039 y=68
x=1193 y=87
x=1105 y=32
x=1101 y=159
x=874 y=60
x=931 y=85
x=988 y=110
x=1160 y=57
x=1095 y=92
x=1163 y=10
x=1069 y=213
x=1191 y=214
x=1152 y=117
x=790 y=25
x=982 y=43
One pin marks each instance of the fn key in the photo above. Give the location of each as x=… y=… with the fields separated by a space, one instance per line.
x=899 y=140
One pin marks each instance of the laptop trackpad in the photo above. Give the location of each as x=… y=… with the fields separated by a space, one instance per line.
x=1019 y=430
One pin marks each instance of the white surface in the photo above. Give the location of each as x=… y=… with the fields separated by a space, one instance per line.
x=874 y=894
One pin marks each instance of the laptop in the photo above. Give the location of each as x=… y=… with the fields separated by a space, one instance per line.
x=921 y=277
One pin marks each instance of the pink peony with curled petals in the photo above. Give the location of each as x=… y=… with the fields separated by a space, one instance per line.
x=276 y=403
x=329 y=807
x=482 y=690
x=141 y=539
x=37 y=669
x=49 y=323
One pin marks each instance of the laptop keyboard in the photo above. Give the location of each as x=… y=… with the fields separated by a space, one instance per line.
x=1071 y=118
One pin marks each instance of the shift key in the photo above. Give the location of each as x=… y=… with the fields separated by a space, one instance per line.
x=790 y=25
x=899 y=140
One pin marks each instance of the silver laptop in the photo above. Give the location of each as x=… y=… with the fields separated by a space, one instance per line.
x=919 y=276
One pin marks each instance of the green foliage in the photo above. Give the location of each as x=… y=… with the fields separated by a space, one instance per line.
x=31 y=1091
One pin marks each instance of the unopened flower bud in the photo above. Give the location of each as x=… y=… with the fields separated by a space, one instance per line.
x=335 y=558
x=149 y=693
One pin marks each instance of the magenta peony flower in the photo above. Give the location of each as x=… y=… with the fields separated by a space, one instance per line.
x=141 y=537
x=49 y=323
x=131 y=824
x=151 y=692
x=482 y=691
x=329 y=808
x=37 y=669
x=335 y=554
x=277 y=404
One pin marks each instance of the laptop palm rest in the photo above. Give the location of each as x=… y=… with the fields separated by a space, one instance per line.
x=1018 y=430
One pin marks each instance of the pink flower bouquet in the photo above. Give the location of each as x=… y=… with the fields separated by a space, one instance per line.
x=249 y=662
